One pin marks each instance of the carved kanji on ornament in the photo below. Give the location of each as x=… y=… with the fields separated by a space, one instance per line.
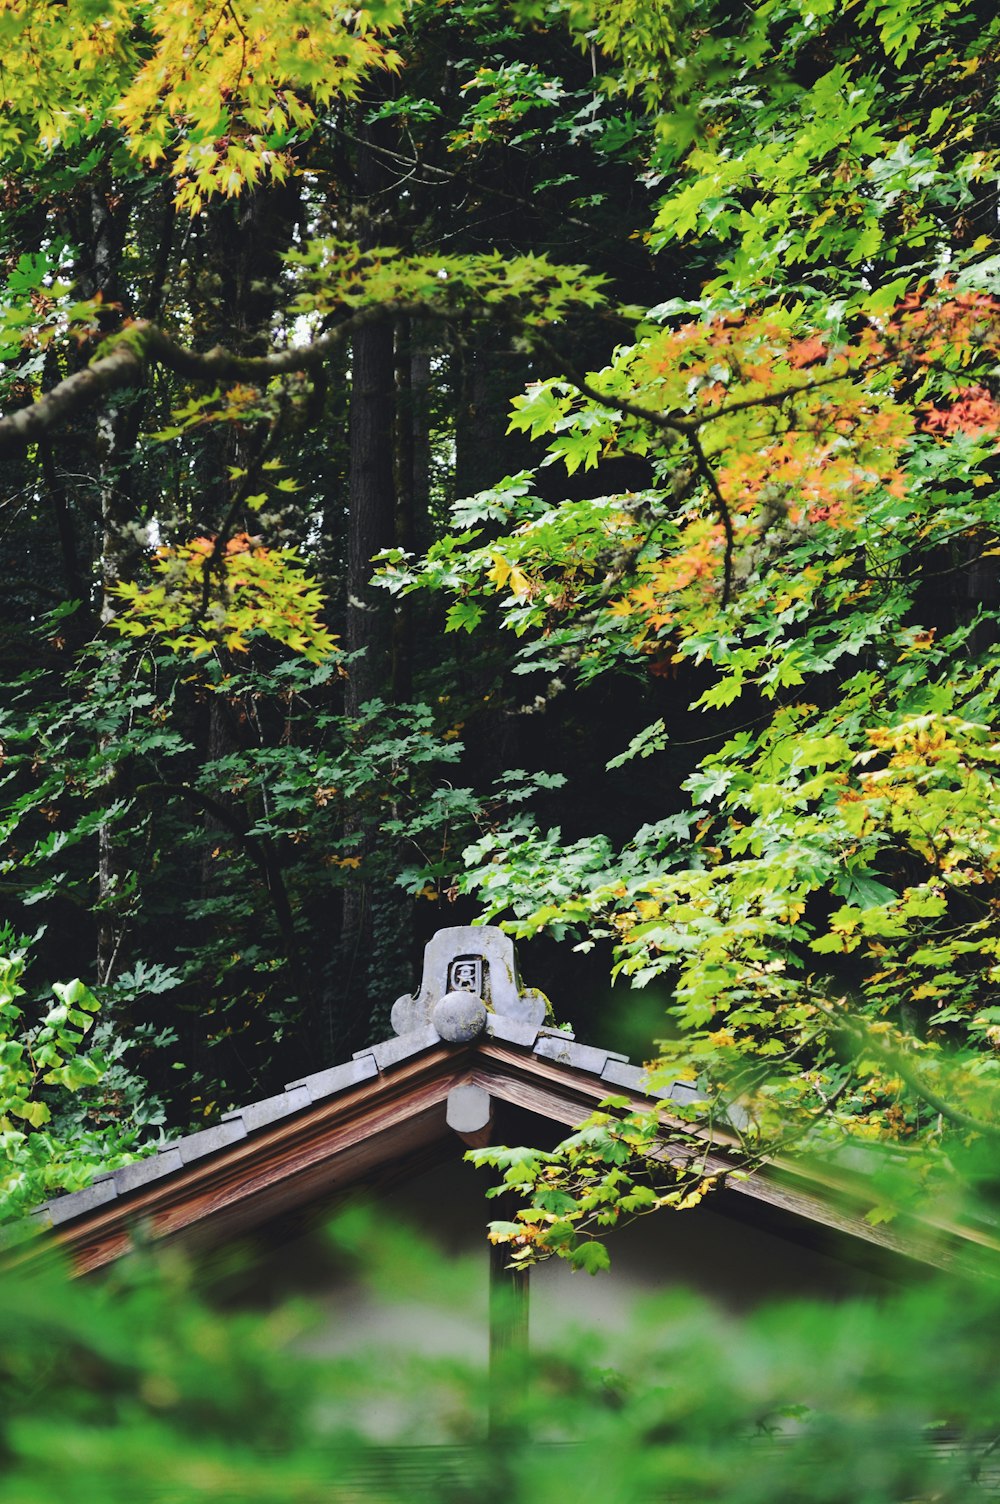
x=469 y=973
x=466 y=975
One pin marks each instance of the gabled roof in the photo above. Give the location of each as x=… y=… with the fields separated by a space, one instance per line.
x=337 y=1127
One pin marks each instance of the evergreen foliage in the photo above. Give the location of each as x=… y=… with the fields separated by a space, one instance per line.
x=664 y=338
x=653 y=351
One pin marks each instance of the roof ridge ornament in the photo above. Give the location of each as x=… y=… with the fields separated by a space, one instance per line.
x=470 y=971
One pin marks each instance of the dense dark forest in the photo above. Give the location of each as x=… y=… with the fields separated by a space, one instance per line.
x=240 y=846
x=528 y=462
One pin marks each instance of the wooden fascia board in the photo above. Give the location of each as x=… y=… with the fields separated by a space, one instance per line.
x=567 y=1096
x=327 y=1148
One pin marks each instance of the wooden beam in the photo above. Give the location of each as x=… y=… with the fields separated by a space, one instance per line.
x=566 y=1096
x=313 y=1156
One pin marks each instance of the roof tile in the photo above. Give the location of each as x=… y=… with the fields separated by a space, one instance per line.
x=620 y=1073
x=392 y=1051
x=511 y=1030
x=337 y=1078
x=270 y=1109
x=678 y=1091
x=63 y=1208
x=142 y=1171
x=585 y=1057
x=208 y=1140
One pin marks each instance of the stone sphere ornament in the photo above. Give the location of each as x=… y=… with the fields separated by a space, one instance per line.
x=459 y=1017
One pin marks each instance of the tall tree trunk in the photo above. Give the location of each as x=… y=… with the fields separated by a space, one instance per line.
x=371 y=526
x=246 y=241
x=420 y=423
x=372 y=520
x=115 y=433
x=487 y=379
x=406 y=500
x=479 y=424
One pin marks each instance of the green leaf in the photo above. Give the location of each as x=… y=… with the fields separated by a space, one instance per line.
x=593 y=1257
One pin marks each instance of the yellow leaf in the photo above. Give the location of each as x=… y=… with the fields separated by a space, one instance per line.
x=500 y=573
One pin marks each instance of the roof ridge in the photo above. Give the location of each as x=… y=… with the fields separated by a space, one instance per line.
x=506 y=1012
x=321 y=1086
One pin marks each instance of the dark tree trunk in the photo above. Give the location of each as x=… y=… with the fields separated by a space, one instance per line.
x=114 y=440
x=486 y=380
x=371 y=526
x=372 y=521
x=406 y=500
x=420 y=428
x=245 y=244
x=480 y=422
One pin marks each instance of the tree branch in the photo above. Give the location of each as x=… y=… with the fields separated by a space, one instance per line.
x=143 y=345
x=686 y=428
x=708 y=475
x=123 y=367
x=898 y=1062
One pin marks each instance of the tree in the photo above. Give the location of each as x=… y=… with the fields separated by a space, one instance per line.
x=808 y=431
x=177 y=374
x=808 y=567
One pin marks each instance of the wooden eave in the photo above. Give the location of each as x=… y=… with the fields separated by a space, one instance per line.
x=316 y=1153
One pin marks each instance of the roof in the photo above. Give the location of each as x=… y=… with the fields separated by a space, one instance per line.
x=470 y=1024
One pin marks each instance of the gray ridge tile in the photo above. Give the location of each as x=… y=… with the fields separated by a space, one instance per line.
x=392 y=1051
x=208 y=1140
x=737 y=1117
x=142 y=1171
x=620 y=1073
x=336 y=1078
x=583 y=1057
x=678 y=1091
x=65 y=1208
x=270 y=1109
x=511 y=1030
x=636 y=1078
x=549 y=1029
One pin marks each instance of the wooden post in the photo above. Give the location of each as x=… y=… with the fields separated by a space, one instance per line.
x=508 y=1330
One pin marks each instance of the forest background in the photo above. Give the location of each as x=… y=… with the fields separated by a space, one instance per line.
x=652 y=353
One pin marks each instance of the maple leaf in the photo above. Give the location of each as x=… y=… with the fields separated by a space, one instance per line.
x=972 y=410
x=806 y=351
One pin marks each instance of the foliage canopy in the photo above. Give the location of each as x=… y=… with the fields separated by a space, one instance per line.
x=789 y=603
x=663 y=338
